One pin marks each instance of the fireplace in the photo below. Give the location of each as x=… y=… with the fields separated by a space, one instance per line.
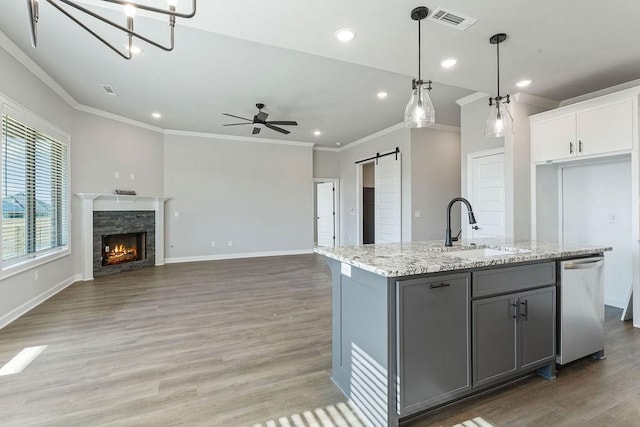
x=123 y=241
x=123 y=248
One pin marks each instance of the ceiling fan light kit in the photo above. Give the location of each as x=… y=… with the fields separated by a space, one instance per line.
x=500 y=121
x=419 y=112
x=129 y=8
x=260 y=120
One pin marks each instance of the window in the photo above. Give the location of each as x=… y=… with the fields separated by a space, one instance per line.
x=35 y=189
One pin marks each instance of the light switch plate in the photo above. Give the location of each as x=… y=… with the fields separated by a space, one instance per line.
x=345 y=269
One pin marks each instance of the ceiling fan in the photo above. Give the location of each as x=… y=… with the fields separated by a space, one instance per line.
x=261 y=119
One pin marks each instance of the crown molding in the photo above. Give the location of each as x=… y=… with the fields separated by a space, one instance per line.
x=446 y=128
x=236 y=138
x=107 y=115
x=613 y=89
x=471 y=98
x=28 y=63
x=538 y=101
x=372 y=136
x=330 y=149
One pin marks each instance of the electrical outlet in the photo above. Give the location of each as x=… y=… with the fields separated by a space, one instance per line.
x=417 y=214
x=36 y=275
x=176 y=214
x=213 y=244
x=613 y=218
x=132 y=176
x=230 y=243
x=116 y=175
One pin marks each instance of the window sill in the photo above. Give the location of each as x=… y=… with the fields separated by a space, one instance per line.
x=28 y=264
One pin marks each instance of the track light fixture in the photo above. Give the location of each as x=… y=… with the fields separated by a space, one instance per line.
x=500 y=121
x=419 y=112
x=129 y=8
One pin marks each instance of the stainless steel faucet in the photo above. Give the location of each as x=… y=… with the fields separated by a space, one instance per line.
x=472 y=218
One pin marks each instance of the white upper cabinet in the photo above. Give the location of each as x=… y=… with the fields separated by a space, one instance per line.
x=554 y=138
x=606 y=128
x=601 y=126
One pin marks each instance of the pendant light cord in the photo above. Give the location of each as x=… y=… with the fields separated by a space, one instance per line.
x=419 y=51
x=498 y=61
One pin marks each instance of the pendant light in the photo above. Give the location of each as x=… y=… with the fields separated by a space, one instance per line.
x=419 y=112
x=500 y=122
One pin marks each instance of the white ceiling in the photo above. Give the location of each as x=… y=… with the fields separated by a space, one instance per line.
x=235 y=53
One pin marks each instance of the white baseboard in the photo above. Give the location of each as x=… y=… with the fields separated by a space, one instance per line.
x=614 y=302
x=36 y=301
x=235 y=256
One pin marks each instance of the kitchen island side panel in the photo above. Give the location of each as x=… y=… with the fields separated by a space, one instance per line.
x=360 y=340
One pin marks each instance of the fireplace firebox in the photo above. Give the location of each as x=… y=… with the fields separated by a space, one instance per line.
x=123 y=248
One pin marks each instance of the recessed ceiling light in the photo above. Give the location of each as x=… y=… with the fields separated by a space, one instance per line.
x=449 y=62
x=156 y=115
x=345 y=35
x=382 y=94
x=317 y=133
x=338 y=144
x=523 y=83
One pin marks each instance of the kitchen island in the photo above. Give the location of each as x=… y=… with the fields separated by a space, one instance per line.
x=417 y=325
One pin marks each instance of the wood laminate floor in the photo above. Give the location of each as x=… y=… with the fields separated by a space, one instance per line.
x=246 y=343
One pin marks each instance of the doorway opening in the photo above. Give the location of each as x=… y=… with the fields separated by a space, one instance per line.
x=368 y=203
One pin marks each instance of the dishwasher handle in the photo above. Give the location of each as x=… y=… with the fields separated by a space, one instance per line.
x=577 y=265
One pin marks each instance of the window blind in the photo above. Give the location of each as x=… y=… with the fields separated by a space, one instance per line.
x=35 y=205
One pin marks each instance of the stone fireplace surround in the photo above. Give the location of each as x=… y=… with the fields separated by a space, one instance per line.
x=133 y=205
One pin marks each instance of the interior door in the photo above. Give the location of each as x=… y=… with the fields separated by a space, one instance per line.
x=388 y=199
x=325 y=213
x=487 y=196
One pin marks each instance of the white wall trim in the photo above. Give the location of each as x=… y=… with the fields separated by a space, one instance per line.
x=34 y=302
x=607 y=91
x=236 y=256
x=471 y=98
x=373 y=136
x=336 y=207
x=236 y=138
x=538 y=101
x=446 y=128
x=107 y=115
x=331 y=149
x=19 y=55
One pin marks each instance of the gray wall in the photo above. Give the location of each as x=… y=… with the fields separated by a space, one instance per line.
x=435 y=175
x=326 y=164
x=257 y=195
x=388 y=142
x=17 y=83
x=103 y=146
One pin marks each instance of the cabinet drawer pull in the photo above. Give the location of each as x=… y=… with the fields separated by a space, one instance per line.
x=579 y=146
x=571 y=148
x=441 y=285
x=525 y=314
x=515 y=309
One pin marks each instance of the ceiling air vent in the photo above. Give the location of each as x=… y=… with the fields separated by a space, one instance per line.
x=109 y=90
x=452 y=18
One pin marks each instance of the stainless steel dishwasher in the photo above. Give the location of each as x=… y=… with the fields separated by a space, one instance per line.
x=581 y=309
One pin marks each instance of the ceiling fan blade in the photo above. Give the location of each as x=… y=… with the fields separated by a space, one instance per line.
x=261 y=116
x=277 y=129
x=236 y=124
x=237 y=117
x=283 y=122
x=256 y=130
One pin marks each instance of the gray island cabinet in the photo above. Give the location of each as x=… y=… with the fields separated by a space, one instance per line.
x=418 y=325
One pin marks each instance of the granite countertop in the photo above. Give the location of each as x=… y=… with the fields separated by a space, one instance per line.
x=406 y=259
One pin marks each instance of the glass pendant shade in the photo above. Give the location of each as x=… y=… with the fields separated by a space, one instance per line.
x=419 y=112
x=500 y=121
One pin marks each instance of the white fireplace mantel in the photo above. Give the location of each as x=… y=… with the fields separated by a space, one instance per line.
x=91 y=202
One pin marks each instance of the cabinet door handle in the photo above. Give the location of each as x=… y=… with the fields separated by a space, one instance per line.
x=571 y=148
x=525 y=314
x=515 y=309
x=579 y=146
x=441 y=285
